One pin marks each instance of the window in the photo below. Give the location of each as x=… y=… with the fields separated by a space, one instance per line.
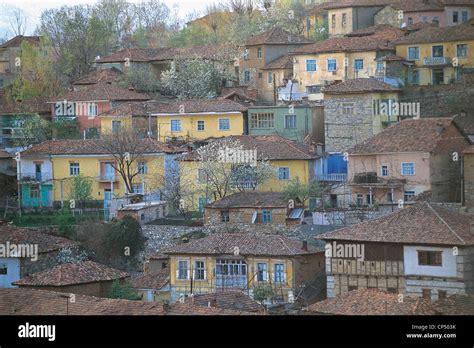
x=224 y=124
x=455 y=16
x=384 y=171
x=370 y=199
x=410 y=21
x=246 y=54
x=348 y=108
x=266 y=216
x=259 y=53
x=74 y=169
x=437 y=51
x=279 y=276
x=442 y=294
x=313 y=89
x=225 y=216
x=116 y=126
x=260 y=75
x=176 y=125
x=462 y=50
x=247 y=76
x=34 y=192
x=392 y=290
x=380 y=67
x=199 y=270
x=182 y=269
x=352 y=287
x=390 y=197
x=310 y=64
x=344 y=20
x=408 y=168
x=464 y=16
x=92 y=109
x=358 y=64
x=359 y=200
x=262 y=274
x=200 y=126
x=426 y=294
x=290 y=121
x=438 y=76
x=142 y=216
x=263 y=120
x=408 y=195
x=202 y=177
x=430 y=258
x=333 y=21
x=413 y=53
x=284 y=173
x=142 y=168
x=270 y=77
x=415 y=77
x=137 y=188
x=3 y=268
x=332 y=65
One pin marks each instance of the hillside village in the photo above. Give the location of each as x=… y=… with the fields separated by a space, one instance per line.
x=319 y=162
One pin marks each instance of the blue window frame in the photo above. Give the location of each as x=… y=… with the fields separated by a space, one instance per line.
x=413 y=53
x=332 y=65
x=290 y=121
x=311 y=65
x=408 y=168
x=176 y=125
x=279 y=273
x=247 y=76
x=358 y=64
x=284 y=173
x=266 y=216
x=262 y=273
x=224 y=124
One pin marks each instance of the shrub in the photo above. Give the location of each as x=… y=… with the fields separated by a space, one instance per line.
x=123 y=290
x=126 y=233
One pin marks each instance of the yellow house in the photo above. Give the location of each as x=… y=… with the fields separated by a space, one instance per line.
x=339 y=59
x=182 y=119
x=57 y=162
x=289 y=159
x=439 y=55
x=265 y=266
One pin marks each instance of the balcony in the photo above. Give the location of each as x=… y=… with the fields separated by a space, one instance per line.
x=35 y=177
x=355 y=267
x=365 y=178
x=436 y=61
x=108 y=178
x=338 y=177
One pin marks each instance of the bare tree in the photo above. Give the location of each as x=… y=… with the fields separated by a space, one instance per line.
x=18 y=21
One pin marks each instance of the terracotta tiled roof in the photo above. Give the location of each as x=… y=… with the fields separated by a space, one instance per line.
x=230 y=299
x=248 y=244
x=164 y=54
x=17 y=301
x=17 y=40
x=421 y=223
x=406 y=6
x=73 y=274
x=374 y=29
x=32 y=105
x=101 y=92
x=269 y=147
x=277 y=36
x=456 y=305
x=88 y=147
x=410 y=135
x=173 y=107
x=243 y=91
x=460 y=32
x=250 y=200
x=152 y=280
x=381 y=40
x=359 y=85
x=46 y=242
x=4 y=154
x=284 y=62
x=97 y=76
x=469 y=150
x=373 y=302
x=391 y=57
x=457 y=2
x=465 y=123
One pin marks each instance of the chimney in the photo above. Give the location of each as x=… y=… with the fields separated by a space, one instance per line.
x=305 y=245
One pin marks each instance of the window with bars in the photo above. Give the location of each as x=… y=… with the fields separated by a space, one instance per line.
x=262 y=120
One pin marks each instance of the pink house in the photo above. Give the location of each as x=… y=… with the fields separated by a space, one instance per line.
x=86 y=104
x=409 y=158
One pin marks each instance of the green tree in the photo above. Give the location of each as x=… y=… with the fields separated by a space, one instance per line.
x=296 y=190
x=123 y=290
x=81 y=189
x=125 y=238
x=33 y=129
x=66 y=129
x=139 y=76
